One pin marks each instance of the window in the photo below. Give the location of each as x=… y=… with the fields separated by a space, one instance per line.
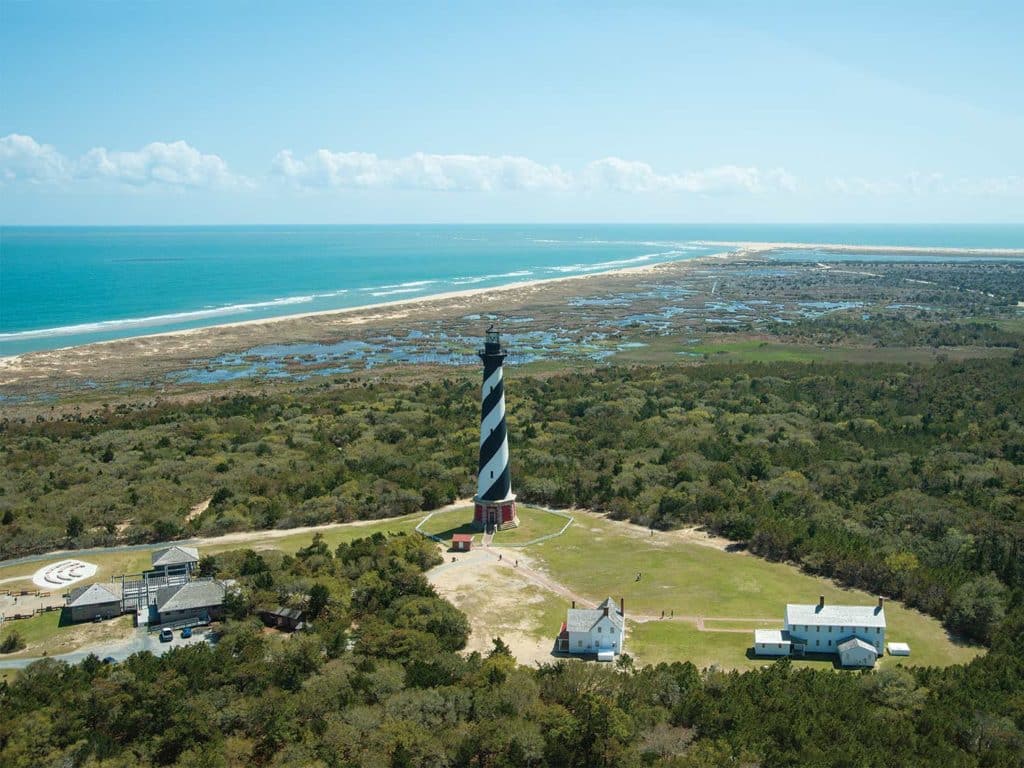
x=830 y=629
x=492 y=474
x=599 y=629
x=830 y=642
x=780 y=645
x=579 y=643
x=817 y=643
x=818 y=628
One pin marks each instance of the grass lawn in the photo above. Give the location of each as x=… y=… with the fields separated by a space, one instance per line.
x=44 y=633
x=598 y=558
x=533 y=523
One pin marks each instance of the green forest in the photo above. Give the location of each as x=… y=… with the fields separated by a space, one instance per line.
x=906 y=480
x=378 y=682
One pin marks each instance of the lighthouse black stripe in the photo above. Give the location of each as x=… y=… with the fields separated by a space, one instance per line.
x=491 y=364
x=501 y=486
x=492 y=443
x=491 y=399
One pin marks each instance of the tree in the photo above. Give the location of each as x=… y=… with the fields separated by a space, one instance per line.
x=978 y=606
x=319 y=596
x=75 y=526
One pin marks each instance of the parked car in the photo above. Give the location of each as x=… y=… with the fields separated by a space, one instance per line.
x=186 y=632
x=97 y=619
x=166 y=635
x=109 y=660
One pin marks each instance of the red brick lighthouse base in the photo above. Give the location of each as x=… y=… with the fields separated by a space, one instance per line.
x=495 y=514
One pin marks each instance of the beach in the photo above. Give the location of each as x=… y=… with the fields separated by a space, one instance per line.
x=150 y=356
x=540 y=305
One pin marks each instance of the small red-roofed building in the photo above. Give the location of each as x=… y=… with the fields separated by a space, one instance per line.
x=462 y=542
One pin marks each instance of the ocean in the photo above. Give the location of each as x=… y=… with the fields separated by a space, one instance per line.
x=65 y=286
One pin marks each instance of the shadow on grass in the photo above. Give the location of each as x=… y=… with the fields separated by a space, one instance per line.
x=447 y=535
x=65 y=618
x=825 y=659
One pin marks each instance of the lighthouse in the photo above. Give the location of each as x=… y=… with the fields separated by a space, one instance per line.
x=494 y=504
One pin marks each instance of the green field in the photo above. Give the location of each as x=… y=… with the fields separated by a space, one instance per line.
x=533 y=523
x=597 y=558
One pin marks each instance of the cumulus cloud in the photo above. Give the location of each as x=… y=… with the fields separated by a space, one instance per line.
x=173 y=164
x=22 y=158
x=633 y=176
x=486 y=173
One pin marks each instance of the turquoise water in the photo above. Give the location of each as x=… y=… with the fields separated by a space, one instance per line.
x=63 y=286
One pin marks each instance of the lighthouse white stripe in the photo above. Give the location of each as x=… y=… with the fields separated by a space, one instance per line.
x=491 y=381
x=492 y=420
x=497 y=465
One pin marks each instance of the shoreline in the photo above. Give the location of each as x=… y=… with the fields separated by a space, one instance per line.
x=411 y=302
x=737 y=248
x=754 y=247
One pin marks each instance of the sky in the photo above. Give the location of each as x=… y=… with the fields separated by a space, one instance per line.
x=301 y=112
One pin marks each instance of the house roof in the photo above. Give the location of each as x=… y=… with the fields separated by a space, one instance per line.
x=584 y=619
x=191 y=595
x=771 y=636
x=856 y=642
x=175 y=555
x=93 y=594
x=835 y=615
x=462 y=537
x=287 y=613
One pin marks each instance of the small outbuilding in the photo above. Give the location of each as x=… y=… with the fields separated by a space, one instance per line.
x=462 y=542
x=857 y=653
x=87 y=602
x=772 y=642
x=288 y=619
x=899 y=649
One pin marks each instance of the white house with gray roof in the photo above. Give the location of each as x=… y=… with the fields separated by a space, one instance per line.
x=87 y=602
x=599 y=631
x=202 y=600
x=828 y=629
x=175 y=559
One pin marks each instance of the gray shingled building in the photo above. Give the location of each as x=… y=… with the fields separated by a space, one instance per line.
x=87 y=602
x=200 y=600
x=175 y=560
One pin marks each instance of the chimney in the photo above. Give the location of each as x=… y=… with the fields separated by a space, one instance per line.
x=821 y=602
x=573 y=603
x=881 y=604
x=622 y=606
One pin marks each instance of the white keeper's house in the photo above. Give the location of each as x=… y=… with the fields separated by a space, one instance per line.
x=599 y=631
x=856 y=633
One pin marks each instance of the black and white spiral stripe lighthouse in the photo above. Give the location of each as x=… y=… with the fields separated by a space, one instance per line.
x=494 y=504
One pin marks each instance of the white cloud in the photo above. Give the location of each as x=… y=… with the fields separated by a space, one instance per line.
x=174 y=164
x=22 y=158
x=484 y=173
x=633 y=176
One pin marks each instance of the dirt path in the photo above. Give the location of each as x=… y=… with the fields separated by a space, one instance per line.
x=198 y=509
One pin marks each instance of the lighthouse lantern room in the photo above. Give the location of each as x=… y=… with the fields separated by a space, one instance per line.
x=494 y=504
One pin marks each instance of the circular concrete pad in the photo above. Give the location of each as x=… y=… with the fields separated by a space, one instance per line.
x=62 y=574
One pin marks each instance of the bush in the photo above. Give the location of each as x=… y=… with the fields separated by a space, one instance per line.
x=13 y=641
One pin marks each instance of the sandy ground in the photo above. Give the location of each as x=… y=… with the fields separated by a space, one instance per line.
x=760 y=247
x=498 y=598
x=156 y=354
